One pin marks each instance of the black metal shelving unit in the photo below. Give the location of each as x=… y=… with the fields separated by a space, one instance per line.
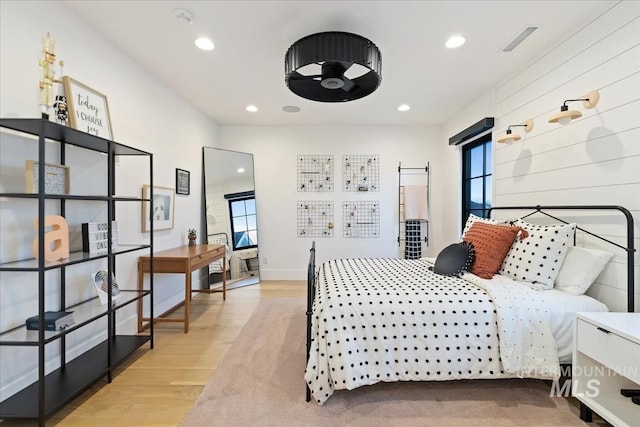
x=53 y=390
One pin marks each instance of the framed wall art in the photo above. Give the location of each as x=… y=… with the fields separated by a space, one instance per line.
x=88 y=109
x=163 y=207
x=56 y=178
x=182 y=182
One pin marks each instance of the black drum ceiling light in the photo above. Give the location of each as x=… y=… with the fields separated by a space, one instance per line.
x=333 y=66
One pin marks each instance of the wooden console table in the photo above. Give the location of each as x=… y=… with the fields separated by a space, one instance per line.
x=184 y=260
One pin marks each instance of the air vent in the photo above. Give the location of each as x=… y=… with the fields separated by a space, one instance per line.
x=519 y=38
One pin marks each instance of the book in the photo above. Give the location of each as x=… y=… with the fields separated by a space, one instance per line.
x=53 y=320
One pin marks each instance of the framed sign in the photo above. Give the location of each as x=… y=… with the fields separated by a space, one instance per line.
x=95 y=237
x=56 y=178
x=182 y=181
x=88 y=109
x=162 y=212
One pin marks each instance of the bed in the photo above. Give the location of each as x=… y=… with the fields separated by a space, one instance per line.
x=383 y=319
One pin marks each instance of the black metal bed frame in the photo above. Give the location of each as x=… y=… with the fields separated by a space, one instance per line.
x=311 y=267
x=311 y=292
x=630 y=235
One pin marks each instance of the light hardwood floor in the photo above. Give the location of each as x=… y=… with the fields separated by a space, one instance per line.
x=157 y=387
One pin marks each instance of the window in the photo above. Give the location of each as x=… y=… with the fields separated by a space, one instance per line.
x=244 y=227
x=476 y=178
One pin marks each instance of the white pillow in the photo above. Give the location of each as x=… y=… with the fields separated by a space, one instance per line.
x=473 y=218
x=580 y=268
x=536 y=260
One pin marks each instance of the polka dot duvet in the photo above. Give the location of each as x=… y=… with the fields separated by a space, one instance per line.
x=382 y=319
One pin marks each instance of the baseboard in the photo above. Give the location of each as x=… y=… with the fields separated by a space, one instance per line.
x=267 y=274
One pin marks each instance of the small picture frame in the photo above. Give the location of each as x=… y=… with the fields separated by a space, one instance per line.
x=163 y=207
x=56 y=178
x=88 y=109
x=183 y=182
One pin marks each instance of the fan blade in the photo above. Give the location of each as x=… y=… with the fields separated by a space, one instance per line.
x=294 y=75
x=345 y=65
x=348 y=84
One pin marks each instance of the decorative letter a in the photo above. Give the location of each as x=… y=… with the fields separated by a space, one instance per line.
x=56 y=241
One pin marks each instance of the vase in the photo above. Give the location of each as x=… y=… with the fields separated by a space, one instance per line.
x=192 y=239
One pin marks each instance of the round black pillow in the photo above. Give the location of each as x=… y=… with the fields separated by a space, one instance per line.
x=455 y=259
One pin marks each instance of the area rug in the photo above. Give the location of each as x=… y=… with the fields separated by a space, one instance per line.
x=260 y=383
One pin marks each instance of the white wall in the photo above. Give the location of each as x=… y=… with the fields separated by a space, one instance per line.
x=144 y=115
x=593 y=160
x=275 y=152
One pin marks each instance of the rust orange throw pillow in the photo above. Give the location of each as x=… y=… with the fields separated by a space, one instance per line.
x=491 y=242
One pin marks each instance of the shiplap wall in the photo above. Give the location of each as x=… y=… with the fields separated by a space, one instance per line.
x=594 y=159
x=217 y=210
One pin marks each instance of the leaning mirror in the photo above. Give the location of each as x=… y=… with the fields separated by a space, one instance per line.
x=230 y=215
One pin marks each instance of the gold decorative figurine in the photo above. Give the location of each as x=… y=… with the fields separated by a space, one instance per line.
x=48 y=77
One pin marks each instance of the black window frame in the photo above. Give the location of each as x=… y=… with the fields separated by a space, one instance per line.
x=240 y=197
x=486 y=141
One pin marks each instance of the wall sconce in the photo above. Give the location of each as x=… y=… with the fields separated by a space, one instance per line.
x=565 y=115
x=509 y=137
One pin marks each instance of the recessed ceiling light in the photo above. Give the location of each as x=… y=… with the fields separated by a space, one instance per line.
x=291 y=108
x=252 y=108
x=404 y=107
x=240 y=170
x=204 y=43
x=455 y=41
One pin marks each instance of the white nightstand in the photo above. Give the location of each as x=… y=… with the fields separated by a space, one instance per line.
x=606 y=359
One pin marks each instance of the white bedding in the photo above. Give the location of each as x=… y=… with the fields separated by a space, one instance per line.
x=394 y=320
x=527 y=346
x=562 y=308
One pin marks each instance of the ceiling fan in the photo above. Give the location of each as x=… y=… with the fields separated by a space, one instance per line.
x=333 y=66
